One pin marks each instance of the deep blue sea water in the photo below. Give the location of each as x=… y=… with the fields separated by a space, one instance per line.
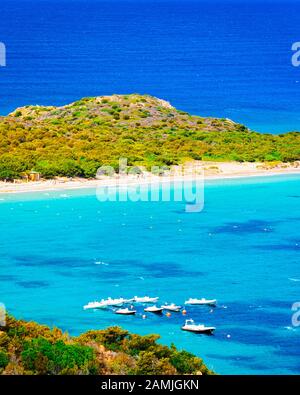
x=60 y=250
x=220 y=58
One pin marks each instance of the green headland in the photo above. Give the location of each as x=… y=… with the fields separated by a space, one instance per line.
x=76 y=139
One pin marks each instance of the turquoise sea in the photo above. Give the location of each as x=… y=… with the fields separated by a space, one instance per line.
x=60 y=250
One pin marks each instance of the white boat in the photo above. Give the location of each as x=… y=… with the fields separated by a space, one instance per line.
x=125 y=311
x=172 y=307
x=95 y=305
x=190 y=326
x=114 y=302
x=154 y=309
x=203 y=301
x=145 y=299
x=131 y=300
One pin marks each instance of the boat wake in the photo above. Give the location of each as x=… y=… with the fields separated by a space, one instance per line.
x=290 y=328
x=101 y=263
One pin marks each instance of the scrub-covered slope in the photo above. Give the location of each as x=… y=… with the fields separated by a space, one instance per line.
x=74 y=140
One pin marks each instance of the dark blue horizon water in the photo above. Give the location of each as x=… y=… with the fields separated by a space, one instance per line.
x=62 y=249
x=222 y=58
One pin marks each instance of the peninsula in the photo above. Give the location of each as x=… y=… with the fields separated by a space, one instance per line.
x=68 y=144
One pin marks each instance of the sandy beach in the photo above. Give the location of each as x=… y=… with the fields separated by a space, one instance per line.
x=206 y=170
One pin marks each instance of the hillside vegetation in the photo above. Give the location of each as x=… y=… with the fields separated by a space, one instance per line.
x=27 y=348
x=74 y=140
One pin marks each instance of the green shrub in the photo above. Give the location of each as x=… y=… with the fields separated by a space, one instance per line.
x=42 y=357
x=11 y=167
x=149 y=364
x=185 y=362
x=135 y=343
x=4 y=359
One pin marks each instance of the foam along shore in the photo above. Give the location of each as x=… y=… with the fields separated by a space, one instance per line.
x=210 y=170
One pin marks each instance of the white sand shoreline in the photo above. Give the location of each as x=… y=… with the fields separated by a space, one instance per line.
x=212 y=171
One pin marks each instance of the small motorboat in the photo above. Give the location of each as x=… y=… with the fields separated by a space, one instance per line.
x=154 y=309
x=125 y=311
x=203 y=301
x=145 y=299
x=95 y=305
x=190 y=326
x=172 y=307
x=131 y=300
x=114 y=302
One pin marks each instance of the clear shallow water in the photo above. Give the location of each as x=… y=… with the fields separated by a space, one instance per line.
x=243 y=249
x=212 y=58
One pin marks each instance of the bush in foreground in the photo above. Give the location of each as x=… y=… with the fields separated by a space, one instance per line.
x=33 y=349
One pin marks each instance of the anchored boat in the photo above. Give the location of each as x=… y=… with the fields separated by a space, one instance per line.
x=172 y=307
x=145 y=299
x=202 y=301
x=114 y=302
x=128 y=300
x=125 y=311
x=190 y=326
x=154 y=309
x=95 y=305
